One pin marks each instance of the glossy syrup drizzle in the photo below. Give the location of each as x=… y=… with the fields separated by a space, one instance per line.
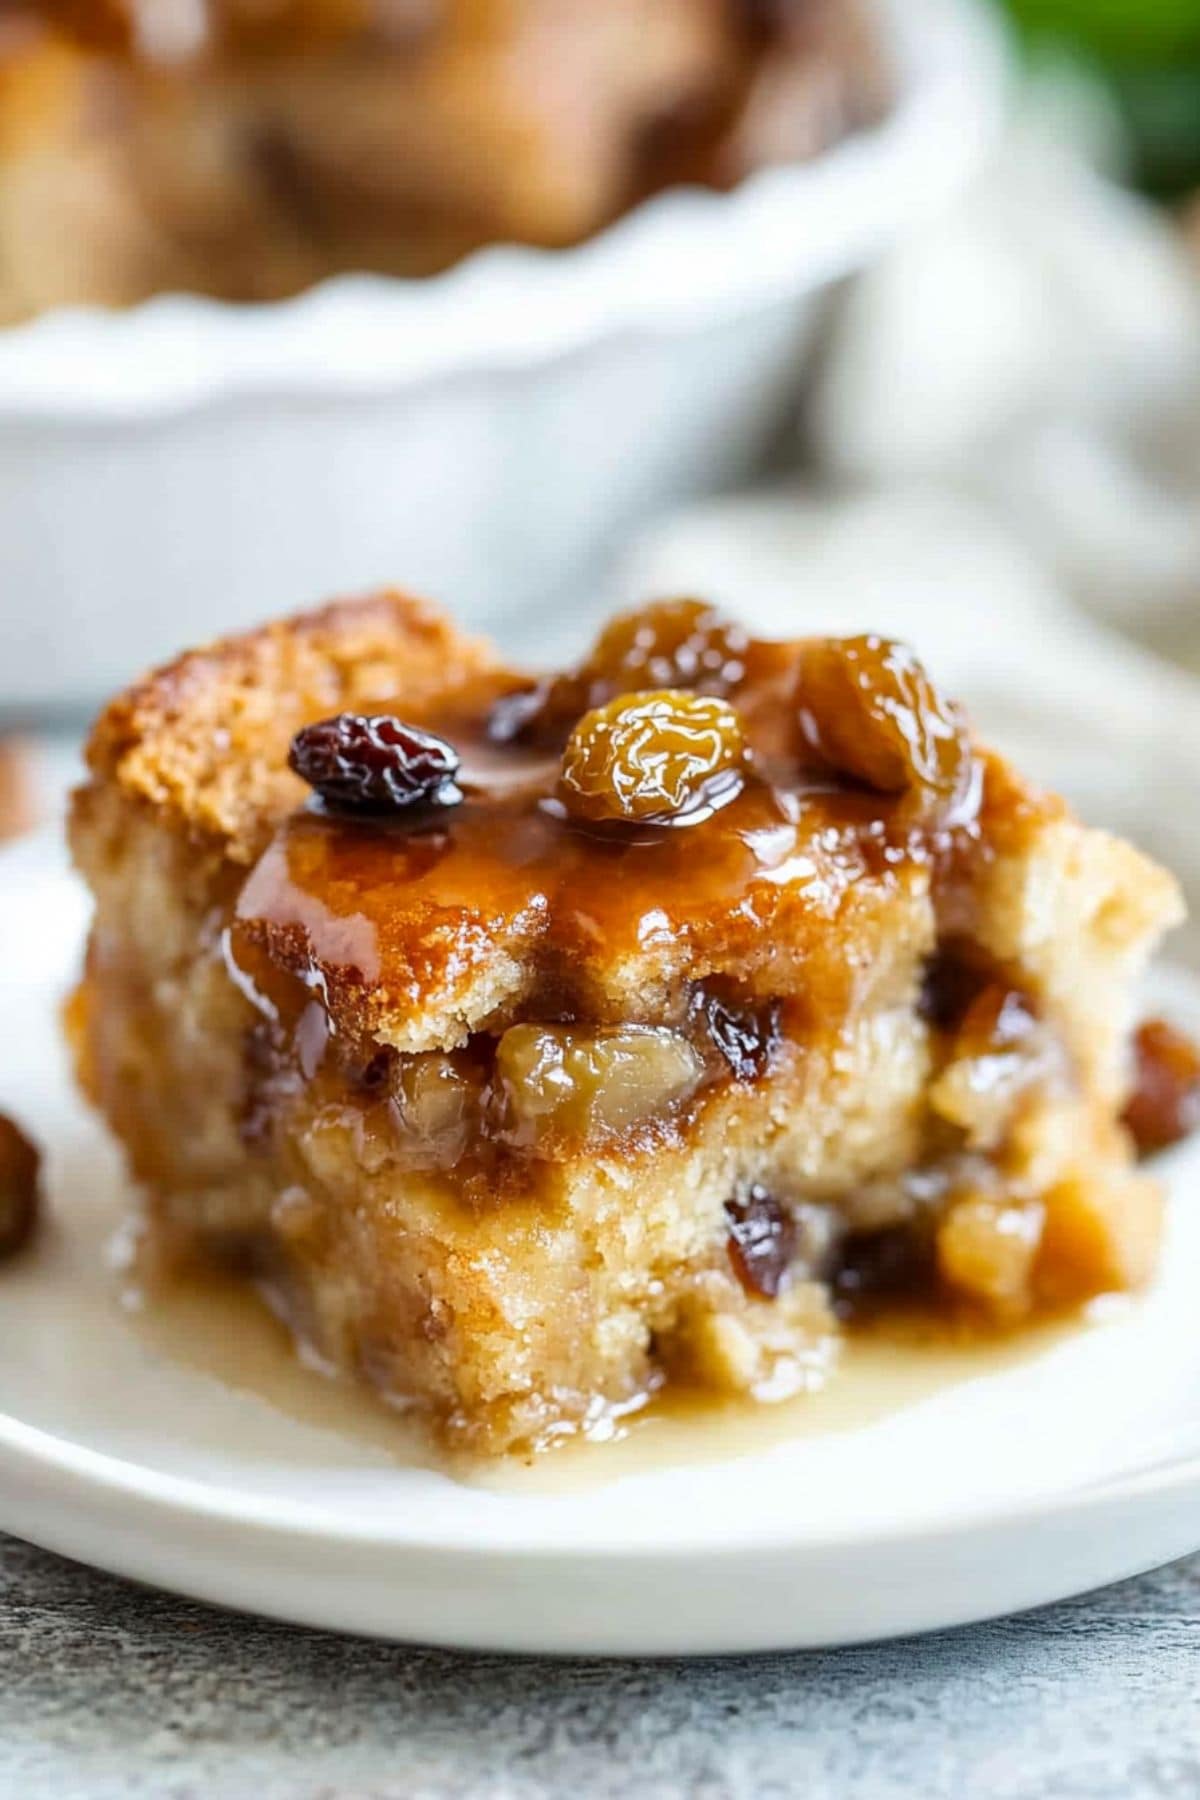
x=403 y=902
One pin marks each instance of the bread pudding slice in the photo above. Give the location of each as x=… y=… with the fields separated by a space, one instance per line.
x=535 y=1043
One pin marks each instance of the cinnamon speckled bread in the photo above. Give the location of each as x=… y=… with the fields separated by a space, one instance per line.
x=535 y=1043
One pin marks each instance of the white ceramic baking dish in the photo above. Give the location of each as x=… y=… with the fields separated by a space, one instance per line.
x=487 y=436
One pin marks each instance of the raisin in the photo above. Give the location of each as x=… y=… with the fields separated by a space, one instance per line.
x=746 y=1036
x=1165 y=1103
x=539 y=716
x=870 y=712
x=563 y=1084
x=770 y=15
x=375 y=764
x=762 y=1239
x=949 y=985
x=667 y=758
x=435 y=1108
x=20 y=1165
x=668 y=644
x=375 y=1075
x=882 y=1265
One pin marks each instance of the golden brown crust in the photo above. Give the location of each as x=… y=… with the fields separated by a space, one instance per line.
x=204 y=739
x=420 y=956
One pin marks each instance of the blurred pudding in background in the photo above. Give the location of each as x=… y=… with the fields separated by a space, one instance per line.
x=249 y=148
x=579 y=251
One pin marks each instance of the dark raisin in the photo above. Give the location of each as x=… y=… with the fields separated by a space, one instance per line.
x=275 y=161
x=20 y=1165
x=949 y=985
x=746 y=1036
x=883 y=1265
x=766 y=18
x=762 y=1241
x=1164 y=1105
x=539 y=717
x=375 y=1075
x=375 y=764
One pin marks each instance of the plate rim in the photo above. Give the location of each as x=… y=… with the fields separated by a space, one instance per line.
x=213 y=1502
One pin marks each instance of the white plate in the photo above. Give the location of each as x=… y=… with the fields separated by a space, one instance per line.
x=1016 y=1482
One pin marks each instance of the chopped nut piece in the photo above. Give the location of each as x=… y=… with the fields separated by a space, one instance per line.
x=653 y=759
x=870 y=711
x=559 y=1084
x=20 y=1164
x=1165 y=1103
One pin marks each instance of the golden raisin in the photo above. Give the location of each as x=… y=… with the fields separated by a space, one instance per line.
x=660 y=758
x=560 y=1083
x=435 y=1106
x=1165 y=1103
x=869 y=710
x=668 y=644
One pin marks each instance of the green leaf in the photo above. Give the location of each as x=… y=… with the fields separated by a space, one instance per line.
x=1123 y=30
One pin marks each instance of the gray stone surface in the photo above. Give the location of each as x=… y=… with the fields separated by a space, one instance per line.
x=108 y=1691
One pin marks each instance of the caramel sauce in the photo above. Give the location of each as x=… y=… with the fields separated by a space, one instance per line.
x=215 y=1326
x=408 y=904
x=511 y=865
x=902 y=1359
x=209 y=1363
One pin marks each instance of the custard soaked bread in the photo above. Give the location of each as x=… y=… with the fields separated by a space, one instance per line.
x=246 y=149
x=534 y=1043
